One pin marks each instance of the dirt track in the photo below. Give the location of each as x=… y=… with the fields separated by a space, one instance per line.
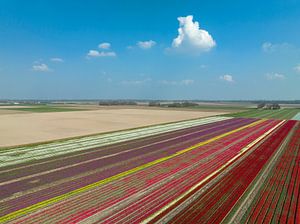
x=18 y=129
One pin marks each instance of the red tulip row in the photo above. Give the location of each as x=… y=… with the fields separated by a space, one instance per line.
x=216 y=202
x=278 y=200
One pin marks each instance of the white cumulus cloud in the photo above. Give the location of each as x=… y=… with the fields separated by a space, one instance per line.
x=95 y=53
x=275 y=76
x=227 y=78
x=104 y=45
x=57 y=60
x=192 y=37
x=146 y=44
x=41 y=68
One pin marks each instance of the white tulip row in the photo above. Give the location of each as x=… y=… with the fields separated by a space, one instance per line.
x=29 y=153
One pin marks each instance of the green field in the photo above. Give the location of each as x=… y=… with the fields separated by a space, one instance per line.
x=212 y=107
x=44 y=109
x=283 y=114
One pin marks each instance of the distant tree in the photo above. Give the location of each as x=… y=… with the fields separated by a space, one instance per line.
x=275 y=106
x=182 y=104
x=261 y=105
x=154 y=104
x=117 y=102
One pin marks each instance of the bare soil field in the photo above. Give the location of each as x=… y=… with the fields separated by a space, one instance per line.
x=13 y=107
x=26 y=128
x=7 y=111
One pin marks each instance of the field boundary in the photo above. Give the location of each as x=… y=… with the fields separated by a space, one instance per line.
x=102 y=133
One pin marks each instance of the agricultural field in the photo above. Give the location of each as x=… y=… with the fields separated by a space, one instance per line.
x=287 y=113
x=138 y=112
x=217 y=169
x=24 y=127
x=38 y=109
x=45 y=109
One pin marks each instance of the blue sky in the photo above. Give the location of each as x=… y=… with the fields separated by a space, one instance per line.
x=132 y=49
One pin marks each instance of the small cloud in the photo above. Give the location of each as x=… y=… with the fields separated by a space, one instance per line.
x=104 y=46
x=41 y=67
x=269 y=47
x=146 y=44
x=187 y=82
x=191 y=37
x=275 y=76
x=136 y=82
x=297 y=68
x=184 y=82
x=104 y=53
x=129 y=47
x=168 y=82
x=227 y=78
x=57 y=60
x=95 y=53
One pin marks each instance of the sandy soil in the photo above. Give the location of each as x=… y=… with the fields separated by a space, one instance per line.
x=6 y=111
x=18 y=129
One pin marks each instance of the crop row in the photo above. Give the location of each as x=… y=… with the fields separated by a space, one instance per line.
x=67 y=178
x=231 y=148
x=214 y=204
x=141 y=193
x=153 y=143
x=278 y=199
x=31 y=192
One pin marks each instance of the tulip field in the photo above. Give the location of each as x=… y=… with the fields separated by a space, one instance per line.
x=223 y=169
